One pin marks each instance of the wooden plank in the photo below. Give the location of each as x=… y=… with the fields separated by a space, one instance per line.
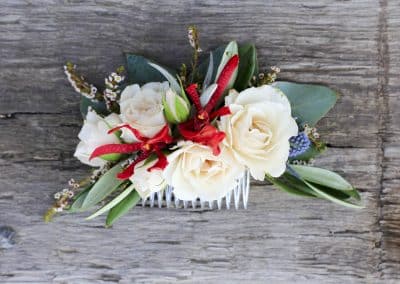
x=389 y=99
x=351 y=46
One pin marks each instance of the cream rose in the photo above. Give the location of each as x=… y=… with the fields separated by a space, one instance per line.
x=146 y=182
x=94 y=134
x=195 y=172
x=142 y=108
x=258 y=130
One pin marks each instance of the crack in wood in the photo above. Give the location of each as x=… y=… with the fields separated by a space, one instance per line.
x=383 y=103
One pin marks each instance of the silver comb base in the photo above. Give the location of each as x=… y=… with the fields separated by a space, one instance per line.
x=166 y=199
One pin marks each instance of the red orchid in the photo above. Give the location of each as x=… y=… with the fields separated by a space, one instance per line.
x=146 y=147
x=199 y=128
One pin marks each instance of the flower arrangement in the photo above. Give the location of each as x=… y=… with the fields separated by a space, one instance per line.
x=197 y=131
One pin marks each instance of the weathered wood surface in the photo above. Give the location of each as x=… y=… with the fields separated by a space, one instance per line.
x=353 y=46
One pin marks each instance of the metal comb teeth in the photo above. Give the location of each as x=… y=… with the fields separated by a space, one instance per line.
x=166 y=199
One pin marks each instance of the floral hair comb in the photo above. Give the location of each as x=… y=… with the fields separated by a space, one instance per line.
x=193 y=138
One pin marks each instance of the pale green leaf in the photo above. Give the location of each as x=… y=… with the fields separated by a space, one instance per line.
x=210 y=70
x=103 y=187
x=113 y=202
x=171 y=79
x=322 y=177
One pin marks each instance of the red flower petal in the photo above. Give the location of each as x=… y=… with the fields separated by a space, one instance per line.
x=115 y=148
x=208 y=135
x=134 y=131
x=161 y=163
x=223 y=81
x=130 y=170
x=220 y=112
x=191 y=90
x=162 y=136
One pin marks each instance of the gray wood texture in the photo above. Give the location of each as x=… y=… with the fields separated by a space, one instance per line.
x=352 y=46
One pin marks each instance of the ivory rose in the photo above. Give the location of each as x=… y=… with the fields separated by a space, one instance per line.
x=142 y=108
x=258 y=129
x=146 y=182
x=195 y=172
x=94 y=134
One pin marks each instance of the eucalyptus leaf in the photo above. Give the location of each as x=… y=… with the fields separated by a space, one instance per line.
x=322 y=177
x=140 y=72
x=122 y=207
x=309 y=102
x=247 y=66
x=98 y=106
x=113 y=202
x=171 y=79
x=103 y=187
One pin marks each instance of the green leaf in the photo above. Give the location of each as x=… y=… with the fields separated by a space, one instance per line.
x=122 y=207
x=339 y=194
x=354 y=194
x=99 y=107
x=291 y=185
x=140 y=72
x=322 y=177
x=210 y=70
x=333 y=198
x=247 y=66
x=204 y=65
x=309 y=102
x=103 y=187
x=79 y=198
x=112 y=203
x=171 y=79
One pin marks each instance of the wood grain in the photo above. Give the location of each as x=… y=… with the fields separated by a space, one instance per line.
x=352 y=46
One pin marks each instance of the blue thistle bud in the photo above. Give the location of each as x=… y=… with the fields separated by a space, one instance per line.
x=299 y=145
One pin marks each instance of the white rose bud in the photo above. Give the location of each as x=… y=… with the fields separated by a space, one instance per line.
x=142 y=108
x=94 y=133
x=258 y=130
x=176 y=109
x=146 y=182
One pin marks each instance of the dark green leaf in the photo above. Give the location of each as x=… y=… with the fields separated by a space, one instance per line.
x=103 y=187
x=309 y=102
x=339 y=194
x=122 y=207
x=291 y=185
x=140 y=72
x=331 y=196
x=99 y=107
x=247 y=66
